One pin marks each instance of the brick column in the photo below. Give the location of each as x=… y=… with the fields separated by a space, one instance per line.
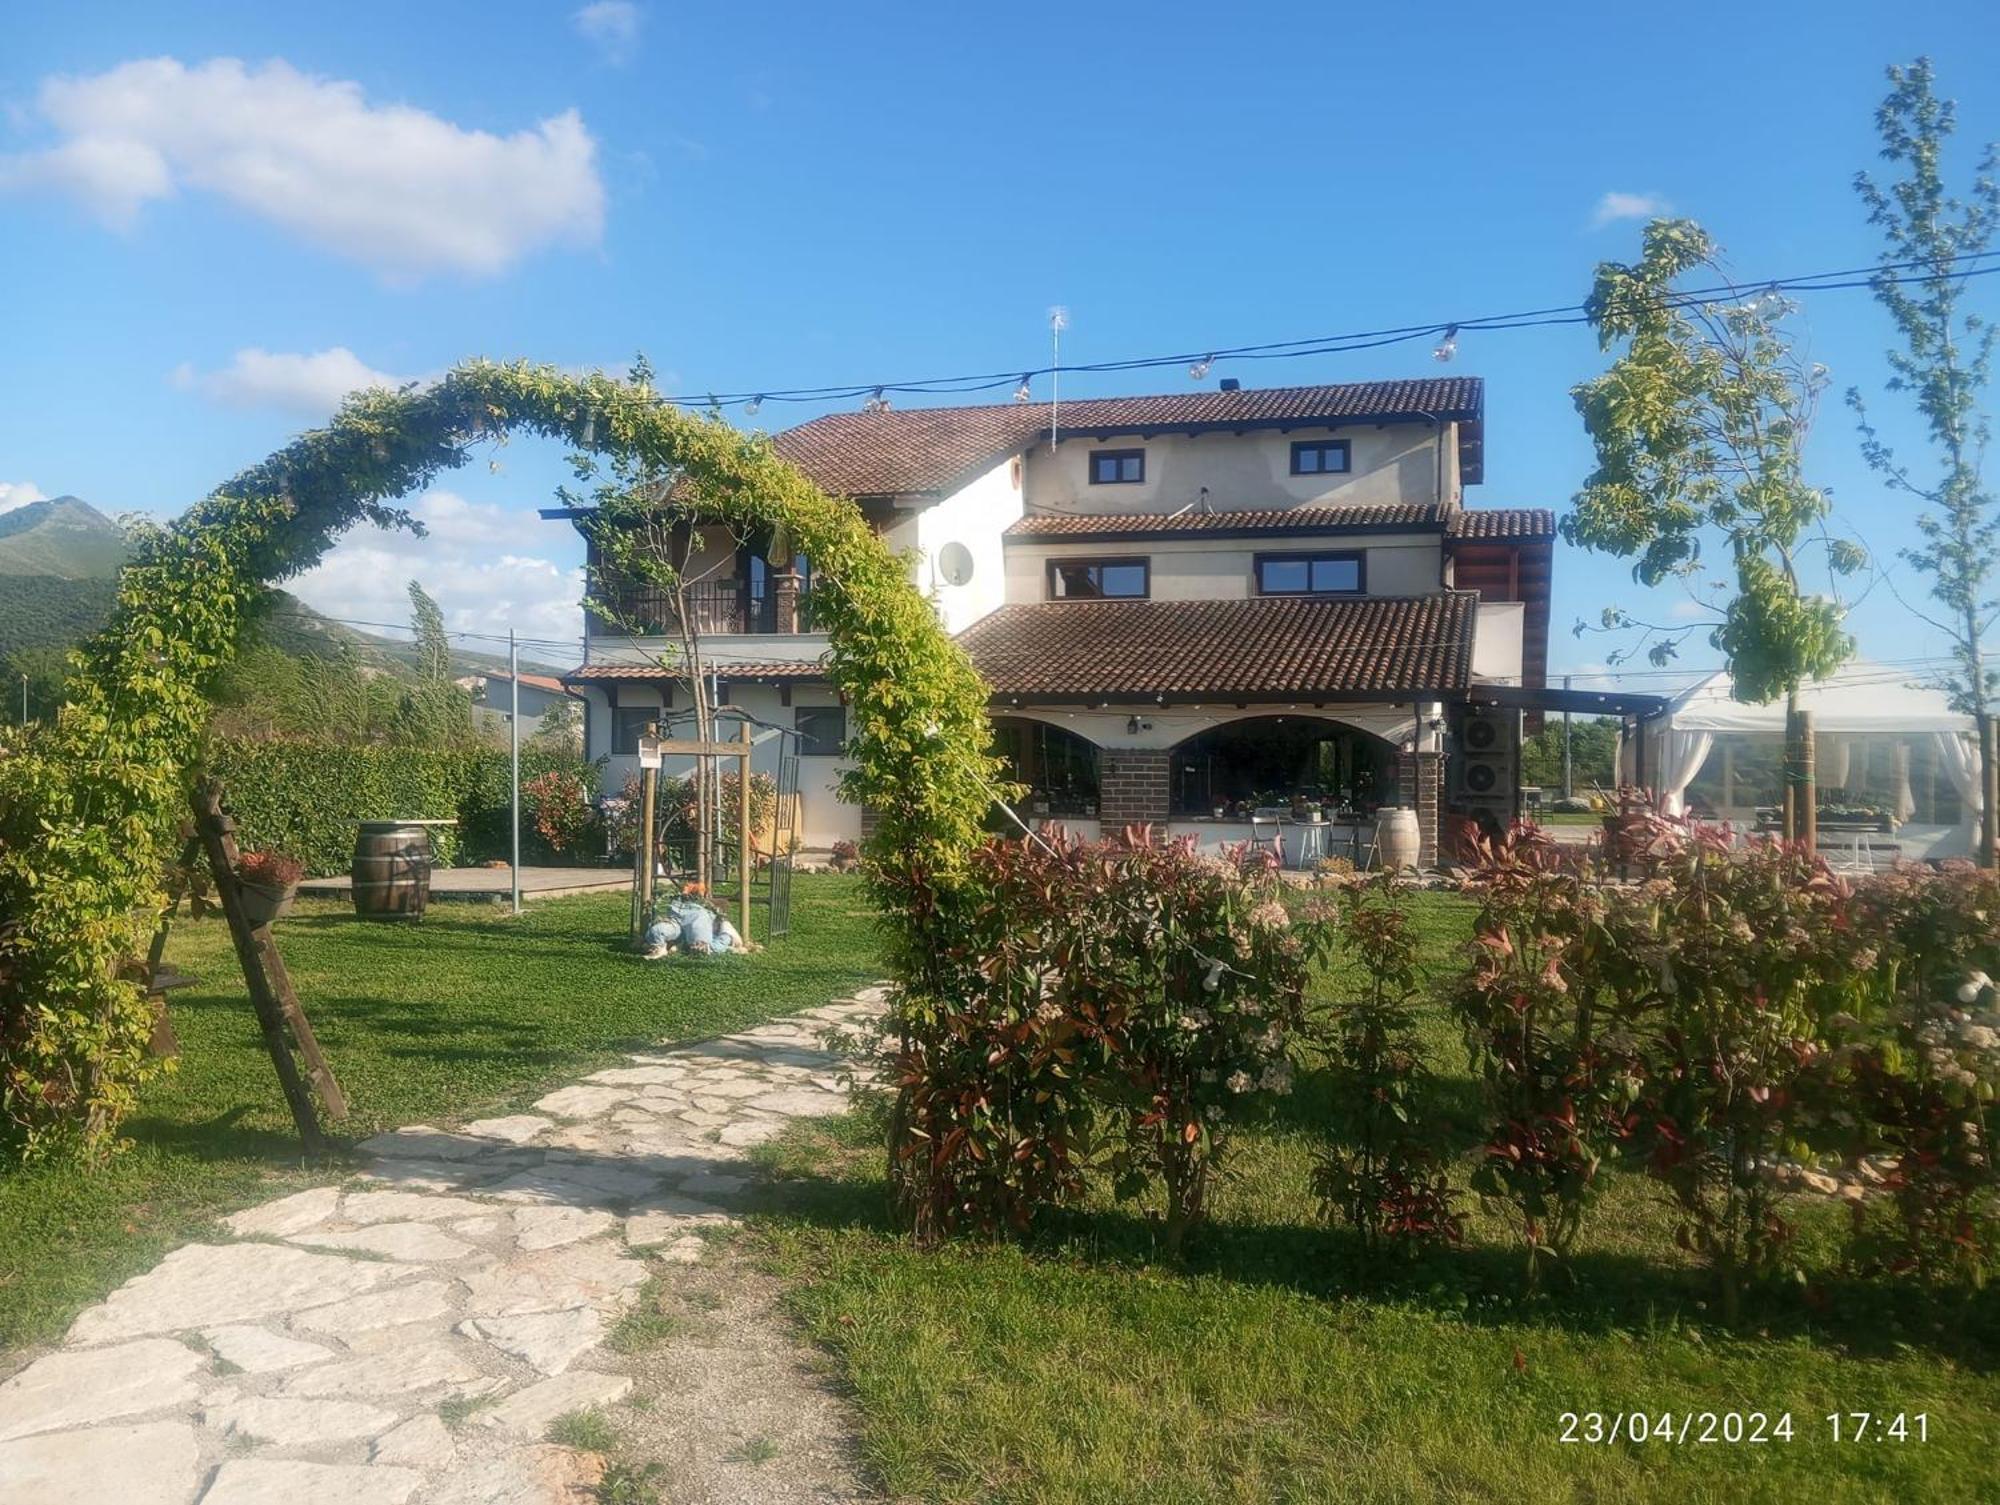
x=784 y=601
x=1133 y=788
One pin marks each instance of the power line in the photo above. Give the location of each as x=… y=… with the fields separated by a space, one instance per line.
x=1890 y=273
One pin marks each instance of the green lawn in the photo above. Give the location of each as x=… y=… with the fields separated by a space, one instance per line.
x=1278 y=1366
x=471 y=1012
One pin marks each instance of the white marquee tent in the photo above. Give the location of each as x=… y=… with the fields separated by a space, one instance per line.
x=1861 y=706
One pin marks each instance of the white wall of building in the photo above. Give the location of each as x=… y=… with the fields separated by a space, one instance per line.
x=1208 y=569
x=1396 y=462
x=1497 y=634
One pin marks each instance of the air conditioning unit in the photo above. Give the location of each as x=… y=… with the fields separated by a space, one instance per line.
x=1483 y=765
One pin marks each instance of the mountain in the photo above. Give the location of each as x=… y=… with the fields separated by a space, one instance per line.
x=59 y=562
x=61 y=536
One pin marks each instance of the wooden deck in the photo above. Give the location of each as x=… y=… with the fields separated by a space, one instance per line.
x=494 y=883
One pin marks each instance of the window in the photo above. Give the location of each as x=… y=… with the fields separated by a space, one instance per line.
x=1319 y=457
x=1098 y=579
x=1112 y=467
x=1309 y=574
x=822 y=730
x=628 y=723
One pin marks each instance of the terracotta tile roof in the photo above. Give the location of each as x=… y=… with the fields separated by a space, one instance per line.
x=1247 y=649
x=1504 y=523
x=728 y=669
x=1060 y=525
x=919 y=450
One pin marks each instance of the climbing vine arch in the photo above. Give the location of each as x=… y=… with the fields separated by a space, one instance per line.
x=87 y=806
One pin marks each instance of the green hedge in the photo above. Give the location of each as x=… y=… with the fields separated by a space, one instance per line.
x=305 y=797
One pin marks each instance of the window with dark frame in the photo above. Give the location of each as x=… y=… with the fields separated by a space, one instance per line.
x=822 y=730
x=1311 y=574
x=1320 y=457
x=628 y=724
x=1115 y=467
x=1099 y=579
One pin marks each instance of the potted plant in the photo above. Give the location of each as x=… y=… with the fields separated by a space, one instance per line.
x=267 y=882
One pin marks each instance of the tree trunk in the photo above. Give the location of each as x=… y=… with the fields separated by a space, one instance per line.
x=1801 y=822
x=1989 y=780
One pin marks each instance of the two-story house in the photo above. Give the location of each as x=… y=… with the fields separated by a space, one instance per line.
x=1190 y=607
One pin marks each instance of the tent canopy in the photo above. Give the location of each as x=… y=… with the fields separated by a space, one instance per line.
x=1860 y=697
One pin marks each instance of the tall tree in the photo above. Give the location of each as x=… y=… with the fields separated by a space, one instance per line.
x=1699 y=427
x=434 y=711
x=1942 y=366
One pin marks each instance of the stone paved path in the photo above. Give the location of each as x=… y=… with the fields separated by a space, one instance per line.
x=408 y=1338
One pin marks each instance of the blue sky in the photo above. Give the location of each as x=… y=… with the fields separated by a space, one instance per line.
x=200 y=253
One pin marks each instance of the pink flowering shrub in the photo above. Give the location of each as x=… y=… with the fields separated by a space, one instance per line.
x=1113 y=1004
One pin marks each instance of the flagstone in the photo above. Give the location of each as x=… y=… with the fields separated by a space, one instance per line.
x=411 y=1241
x=637 y=1076
x=689 y=1249
x=801 y=1102
x=552 y=1280
x=483 y=1227
x=542 y=1474
x=527 y=1413
x=669 y=1217
x=515 y=1128
x=420 y=1301
x=549 y=1341
x=98 y=1384
x=752 y=1131
x=204 y=1285
x=546 y=1226
x=582 y=1102
x=152 y=1463
x=293 y=1214
x=423 y=1142
x=365 y=1207
x=285 y=1422
x=253 y=1350
x=270 y=1481
x=401 y=1370
x=422 y=1442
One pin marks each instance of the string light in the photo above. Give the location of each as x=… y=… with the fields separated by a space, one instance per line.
x=1448 y=346
x=1200 y=368
x=1024 y=392
x=754 y=405
x=876 y=403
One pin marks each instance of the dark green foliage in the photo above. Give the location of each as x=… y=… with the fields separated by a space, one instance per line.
x=305 y=797
x=1593 y=745
x=44 y=611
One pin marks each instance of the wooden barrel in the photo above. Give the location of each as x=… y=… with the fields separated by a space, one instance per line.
x=1397 y=839
x=392 y=870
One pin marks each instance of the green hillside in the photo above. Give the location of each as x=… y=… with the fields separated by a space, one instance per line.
x=59 y=561
x=62 y=536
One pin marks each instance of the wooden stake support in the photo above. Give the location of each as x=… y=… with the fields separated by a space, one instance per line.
x=271 y=992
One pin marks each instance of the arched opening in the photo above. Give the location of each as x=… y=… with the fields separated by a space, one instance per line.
x=1230 y=772
x=1058 y=767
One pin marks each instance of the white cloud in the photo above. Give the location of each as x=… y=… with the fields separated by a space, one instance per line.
x=18 y=494
x=476 y=560
x=312 y=385
x=612 y=27
x=388 y=185
x=1616 y=206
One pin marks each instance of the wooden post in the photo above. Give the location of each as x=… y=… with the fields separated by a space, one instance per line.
x=1989 y=816
x=649 y=788
x=271 y=992
x=1808 y=785
x=746 y=859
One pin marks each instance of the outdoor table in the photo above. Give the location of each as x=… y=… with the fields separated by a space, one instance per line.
x=1304 y=841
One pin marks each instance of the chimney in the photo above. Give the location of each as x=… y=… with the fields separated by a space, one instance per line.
x=1231 y=384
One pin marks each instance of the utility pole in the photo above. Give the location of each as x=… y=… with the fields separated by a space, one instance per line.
x=514 y=751
x=1569 y=782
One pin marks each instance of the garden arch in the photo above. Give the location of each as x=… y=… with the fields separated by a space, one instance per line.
x=86 y=807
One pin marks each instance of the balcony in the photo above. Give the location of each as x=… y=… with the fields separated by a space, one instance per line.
x=720 y=609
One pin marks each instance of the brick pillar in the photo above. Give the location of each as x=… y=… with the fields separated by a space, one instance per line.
x=784 y=601
x=1430 y=786
x=1133 y=788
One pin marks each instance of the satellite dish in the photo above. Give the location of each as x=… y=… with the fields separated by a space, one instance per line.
x=955 y=563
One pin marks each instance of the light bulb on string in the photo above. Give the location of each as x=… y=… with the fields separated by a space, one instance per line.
x=1448 y=346
x=754 y=404
x=1024 y=392
x=590 y=427
x=876 y=403
x=1200 y=368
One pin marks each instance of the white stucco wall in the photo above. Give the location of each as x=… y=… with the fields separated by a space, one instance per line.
x=1395 y=462
x=1206 y=569
x=1497 y=634
x=976 y=516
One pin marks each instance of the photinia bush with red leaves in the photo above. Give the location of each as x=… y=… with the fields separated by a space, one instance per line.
x=1110 y=1004
x=558 y=803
